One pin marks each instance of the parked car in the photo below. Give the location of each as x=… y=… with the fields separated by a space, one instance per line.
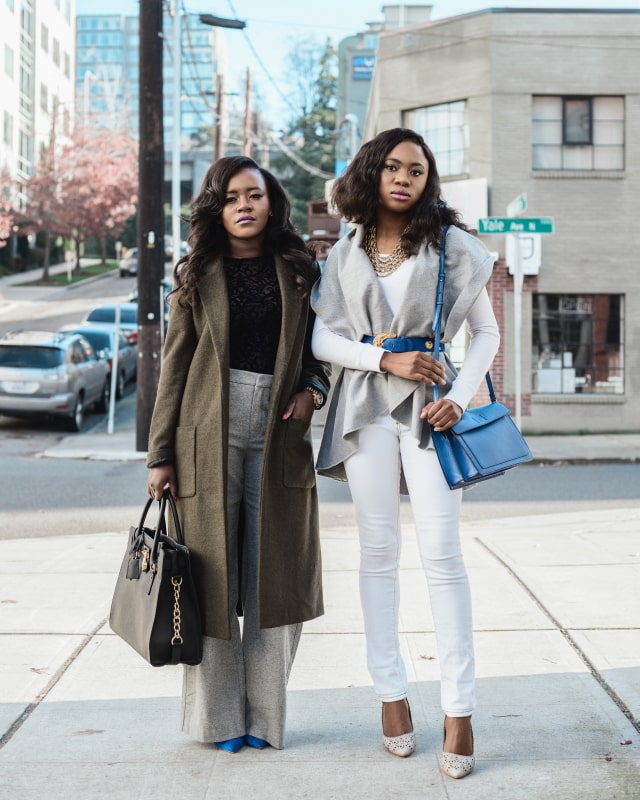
x=106 y=315
x=44 y=373
x=169 y=249
x=102 y=339
x=129 y=263
x=167 y=286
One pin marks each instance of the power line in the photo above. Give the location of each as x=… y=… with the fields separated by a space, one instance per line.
x=263 y=66
x=298 y=160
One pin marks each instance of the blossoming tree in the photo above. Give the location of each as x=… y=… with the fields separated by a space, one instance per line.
x=88 y=186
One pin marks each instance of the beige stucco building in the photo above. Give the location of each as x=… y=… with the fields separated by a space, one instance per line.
x=543 y=104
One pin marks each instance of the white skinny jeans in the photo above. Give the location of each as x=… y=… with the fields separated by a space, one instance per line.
x=374 y=480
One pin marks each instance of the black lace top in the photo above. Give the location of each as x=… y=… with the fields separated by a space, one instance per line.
x=255 y=307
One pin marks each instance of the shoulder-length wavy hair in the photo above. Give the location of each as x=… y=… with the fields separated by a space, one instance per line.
x=355 y=193
x=208 y=237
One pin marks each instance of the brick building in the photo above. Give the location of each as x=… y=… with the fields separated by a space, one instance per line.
x=544 y=103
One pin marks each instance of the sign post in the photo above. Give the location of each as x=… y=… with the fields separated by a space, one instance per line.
x=518 y=205
x=510 y=225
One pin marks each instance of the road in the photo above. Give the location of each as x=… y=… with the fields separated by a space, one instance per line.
x=525 y=491
x=43 y=496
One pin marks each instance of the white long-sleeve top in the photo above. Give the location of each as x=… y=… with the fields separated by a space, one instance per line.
x=485 y=340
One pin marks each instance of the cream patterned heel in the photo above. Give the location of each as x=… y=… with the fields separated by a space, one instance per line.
x=455 y=765
x=403 y=745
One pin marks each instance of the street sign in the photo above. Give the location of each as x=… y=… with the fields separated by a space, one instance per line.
x=519 y=225
x=517 y=205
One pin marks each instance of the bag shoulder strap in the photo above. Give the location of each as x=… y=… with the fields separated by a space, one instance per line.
x=437 y=315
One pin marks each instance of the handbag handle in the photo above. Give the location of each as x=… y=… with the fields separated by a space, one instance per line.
x=167 y=499
x=437 y=315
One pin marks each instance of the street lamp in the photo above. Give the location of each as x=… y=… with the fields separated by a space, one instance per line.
x=221 y=22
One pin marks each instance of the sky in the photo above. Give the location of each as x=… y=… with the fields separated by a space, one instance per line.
x=274 y=26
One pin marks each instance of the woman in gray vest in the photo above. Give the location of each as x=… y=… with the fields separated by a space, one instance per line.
x=230 y=436
x=374 y=307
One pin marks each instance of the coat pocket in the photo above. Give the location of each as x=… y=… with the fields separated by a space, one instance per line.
x=299 y=472
x=186 y=461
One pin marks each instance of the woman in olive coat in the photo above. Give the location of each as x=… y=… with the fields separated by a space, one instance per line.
x=230 y=437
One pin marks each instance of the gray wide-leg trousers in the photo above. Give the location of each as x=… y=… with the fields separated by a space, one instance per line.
x=240 y=686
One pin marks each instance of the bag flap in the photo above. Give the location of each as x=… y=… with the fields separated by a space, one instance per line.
x=477 y=417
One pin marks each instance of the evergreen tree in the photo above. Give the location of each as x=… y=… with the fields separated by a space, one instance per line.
x=313 y=70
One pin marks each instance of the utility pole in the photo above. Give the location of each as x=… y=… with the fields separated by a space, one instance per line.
x=176 y=137
x=150 y=217
x=218 y=149
x=220 y=22
x=246 y=150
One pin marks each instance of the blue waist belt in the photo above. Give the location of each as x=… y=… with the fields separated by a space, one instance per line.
x=401 y=344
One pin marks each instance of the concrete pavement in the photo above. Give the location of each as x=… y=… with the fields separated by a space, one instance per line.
x=556 y=600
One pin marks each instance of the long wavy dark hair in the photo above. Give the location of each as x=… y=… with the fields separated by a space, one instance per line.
x=355 y=193
x=208 y=237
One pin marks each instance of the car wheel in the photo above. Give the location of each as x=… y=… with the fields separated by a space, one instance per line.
x=103 y=403
x=120 y=385
x=74 y=422
x=123 y=274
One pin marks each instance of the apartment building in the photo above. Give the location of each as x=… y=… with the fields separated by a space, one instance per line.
x=107 y=88
x=356 y=65
x=37 y=79
x=540 y=104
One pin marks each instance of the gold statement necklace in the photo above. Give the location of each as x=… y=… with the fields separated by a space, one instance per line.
x=383 y=264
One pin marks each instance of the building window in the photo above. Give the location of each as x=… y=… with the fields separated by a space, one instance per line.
x=44 y=97
x=44 y=37
x=8 y=61
x=9 y=4
x=26 y=89
x=7 y=129
x=56 y=52
x=371 y=41
x=578 y=133
x=67 y=64
x=446 y=131
x=578 y=344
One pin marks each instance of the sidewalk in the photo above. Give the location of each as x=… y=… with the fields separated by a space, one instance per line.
x=556 y=601
x=34 y=274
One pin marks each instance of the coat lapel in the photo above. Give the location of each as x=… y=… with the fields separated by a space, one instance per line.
x=292 y=308
x=215 y=302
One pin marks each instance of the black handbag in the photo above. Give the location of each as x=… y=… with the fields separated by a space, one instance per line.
x=485 y=442
x=155 y=606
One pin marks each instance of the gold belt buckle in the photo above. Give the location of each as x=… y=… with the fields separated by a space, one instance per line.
x=379 y=338
x=428 y=344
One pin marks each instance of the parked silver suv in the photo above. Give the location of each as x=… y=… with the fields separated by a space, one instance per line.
x=58 y=374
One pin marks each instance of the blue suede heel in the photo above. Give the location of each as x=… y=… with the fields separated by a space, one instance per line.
x=254 y=741
x=231 y=745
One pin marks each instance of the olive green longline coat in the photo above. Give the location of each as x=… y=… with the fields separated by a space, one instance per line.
x=190 y=428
